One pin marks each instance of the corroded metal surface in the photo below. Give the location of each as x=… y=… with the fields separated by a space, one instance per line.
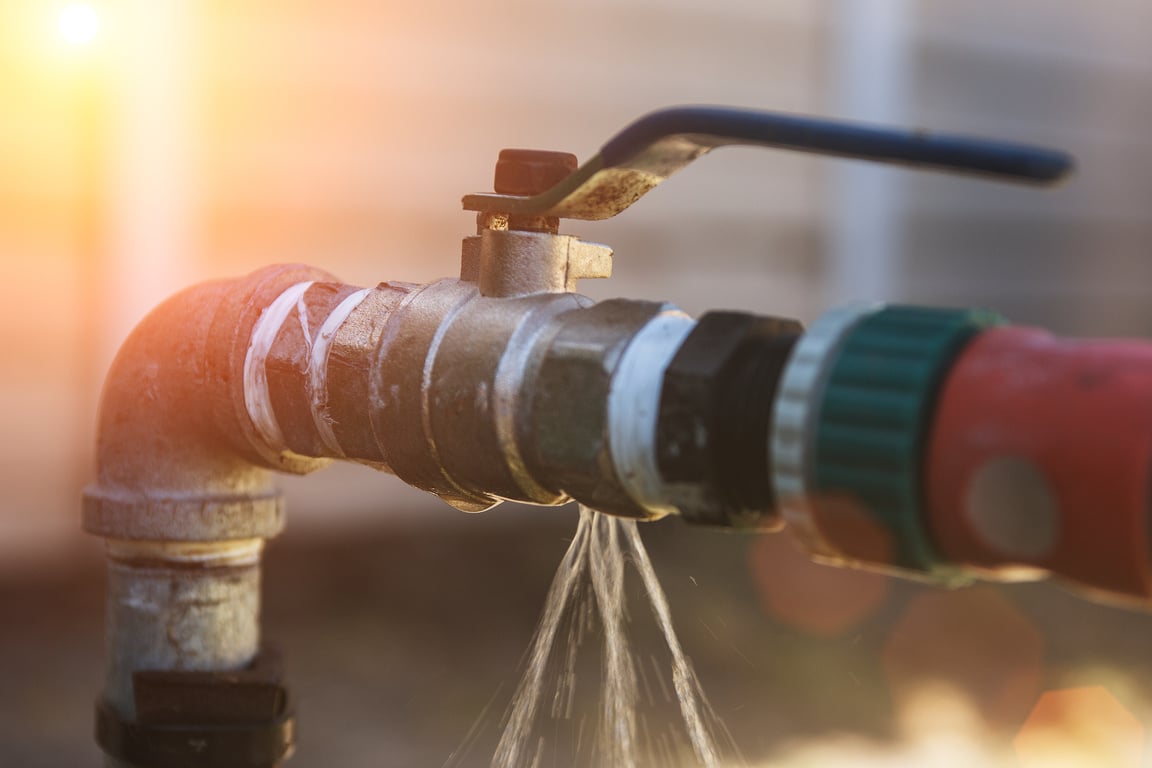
x=185 y=608
x=518 y=263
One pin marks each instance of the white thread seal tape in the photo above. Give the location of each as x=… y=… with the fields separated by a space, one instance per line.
x=257 y=399
x=634 y=406
x=318 y=368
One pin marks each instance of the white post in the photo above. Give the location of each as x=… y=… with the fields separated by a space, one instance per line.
x=870 y=68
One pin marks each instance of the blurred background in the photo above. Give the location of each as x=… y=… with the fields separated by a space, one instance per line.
x=148 y=144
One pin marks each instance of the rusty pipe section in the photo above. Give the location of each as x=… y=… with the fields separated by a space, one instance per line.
x=475 y=398
x=177 y=458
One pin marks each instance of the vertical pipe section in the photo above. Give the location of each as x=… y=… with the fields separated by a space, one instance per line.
x=192 y=606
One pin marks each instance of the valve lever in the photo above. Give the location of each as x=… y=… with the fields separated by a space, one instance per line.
x=657 y=145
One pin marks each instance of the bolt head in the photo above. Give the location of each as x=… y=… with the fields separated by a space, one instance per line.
x=527 y=172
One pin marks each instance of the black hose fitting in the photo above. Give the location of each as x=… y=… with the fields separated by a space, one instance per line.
x=715 y=417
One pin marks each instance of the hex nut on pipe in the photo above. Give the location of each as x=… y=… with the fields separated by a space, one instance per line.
x=714 y=423
x=567 y=425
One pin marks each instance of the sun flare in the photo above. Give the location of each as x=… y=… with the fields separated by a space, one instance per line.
x=78 y=23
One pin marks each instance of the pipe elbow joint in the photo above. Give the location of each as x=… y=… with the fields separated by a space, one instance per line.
x=176 y=452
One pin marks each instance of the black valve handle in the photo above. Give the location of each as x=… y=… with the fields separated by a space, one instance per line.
x=662 y=142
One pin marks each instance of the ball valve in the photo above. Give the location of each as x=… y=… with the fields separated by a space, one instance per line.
x=936 y=442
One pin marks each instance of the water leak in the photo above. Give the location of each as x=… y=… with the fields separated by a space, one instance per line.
x=639 y=722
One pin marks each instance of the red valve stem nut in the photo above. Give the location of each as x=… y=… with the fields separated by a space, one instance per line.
x=528 y=172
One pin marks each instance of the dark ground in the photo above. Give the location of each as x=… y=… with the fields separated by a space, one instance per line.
x=397 y=638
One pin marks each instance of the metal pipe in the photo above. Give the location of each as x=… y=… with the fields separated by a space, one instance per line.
x=183 y=497
x=179 y=605
x=474 y=398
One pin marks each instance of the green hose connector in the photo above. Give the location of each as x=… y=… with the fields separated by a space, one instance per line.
x=873 y=420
